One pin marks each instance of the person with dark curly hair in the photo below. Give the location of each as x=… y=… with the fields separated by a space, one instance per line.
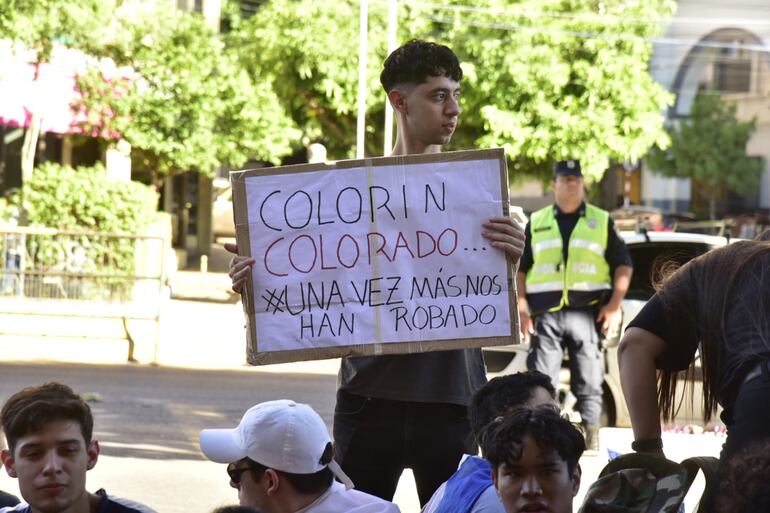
x=535 y=454
x=744 y=485
x=718 y=305
x=470 y=489
x=410 y=410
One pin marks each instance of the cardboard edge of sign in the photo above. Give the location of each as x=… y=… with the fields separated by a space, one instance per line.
x=240 y=215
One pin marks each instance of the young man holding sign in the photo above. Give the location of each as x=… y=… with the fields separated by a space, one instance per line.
x=410 y=411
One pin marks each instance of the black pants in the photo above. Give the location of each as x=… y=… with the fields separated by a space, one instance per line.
x=376 y=439
x=750 y=415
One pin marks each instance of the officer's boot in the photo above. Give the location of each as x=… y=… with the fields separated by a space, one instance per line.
x=592 y=437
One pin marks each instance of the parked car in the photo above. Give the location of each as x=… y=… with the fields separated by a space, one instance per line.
x=648 y=250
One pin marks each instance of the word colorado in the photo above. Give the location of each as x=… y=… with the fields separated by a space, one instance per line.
x=308 y=254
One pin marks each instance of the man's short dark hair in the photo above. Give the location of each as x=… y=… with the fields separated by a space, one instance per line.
x=303 y=483
x=31 y=409
x=502 y=394
x=415 y=61
x=237 y=509
x=502 y=442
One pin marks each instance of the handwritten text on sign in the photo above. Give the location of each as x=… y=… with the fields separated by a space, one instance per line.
x=377 y=255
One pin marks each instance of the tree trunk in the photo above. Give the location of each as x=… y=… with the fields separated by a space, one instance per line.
x=31 y=136
x=713 y=204
x=29 y=147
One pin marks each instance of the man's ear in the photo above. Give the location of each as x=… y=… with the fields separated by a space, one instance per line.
x=576 y=475
x=494 y=477
x=8 y=462
x=93 y=454
x=272 y=481
x=398 y=100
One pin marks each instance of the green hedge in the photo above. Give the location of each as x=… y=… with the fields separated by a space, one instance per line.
x=86 y=199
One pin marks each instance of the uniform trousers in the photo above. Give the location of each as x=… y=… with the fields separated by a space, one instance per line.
x=575 y=331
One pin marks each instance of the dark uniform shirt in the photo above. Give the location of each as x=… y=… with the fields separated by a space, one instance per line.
x=616 y=253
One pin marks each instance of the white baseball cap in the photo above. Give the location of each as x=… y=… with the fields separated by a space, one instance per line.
x=282 y=435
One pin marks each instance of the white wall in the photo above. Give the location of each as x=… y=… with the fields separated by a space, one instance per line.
x=693 y=21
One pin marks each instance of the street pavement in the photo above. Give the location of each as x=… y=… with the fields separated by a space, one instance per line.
x=202 y=329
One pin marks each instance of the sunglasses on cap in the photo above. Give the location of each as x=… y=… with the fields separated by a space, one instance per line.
x=236 y=473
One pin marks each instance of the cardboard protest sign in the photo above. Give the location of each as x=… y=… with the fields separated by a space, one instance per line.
x=374 y=256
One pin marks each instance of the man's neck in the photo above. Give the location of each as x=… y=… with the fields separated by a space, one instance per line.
x=291 y=503
x=404 y=147
x=569 y=207
x=86 y=503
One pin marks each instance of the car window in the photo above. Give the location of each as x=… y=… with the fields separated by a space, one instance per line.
x=649 y=259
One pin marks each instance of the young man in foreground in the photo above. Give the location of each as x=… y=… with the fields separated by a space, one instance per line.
x=410 y=411
x=470 y=489
x=534 y=455
x=280 y=459
x=50 y=449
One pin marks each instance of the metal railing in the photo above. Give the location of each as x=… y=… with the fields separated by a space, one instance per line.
x=60 y=273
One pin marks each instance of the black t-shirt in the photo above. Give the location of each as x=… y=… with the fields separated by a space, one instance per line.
x=616 y=253
x=681 y=337
x=433 y=377
x=107 y=504
x=746 y=330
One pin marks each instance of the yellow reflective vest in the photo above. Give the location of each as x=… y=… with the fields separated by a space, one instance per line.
x=585 y=278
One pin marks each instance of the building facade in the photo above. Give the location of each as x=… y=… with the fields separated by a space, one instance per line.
x=723 y=46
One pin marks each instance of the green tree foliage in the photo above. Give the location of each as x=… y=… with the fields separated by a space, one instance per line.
x=85 y=198
x=544 y=79
x=9 y=12
x=37 y=25
x=710 y=147
x=189 y=103
x=307 y=52
x=554 y=79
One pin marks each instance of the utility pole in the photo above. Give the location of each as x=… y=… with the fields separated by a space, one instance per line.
x=362 y=52
x=392 y=26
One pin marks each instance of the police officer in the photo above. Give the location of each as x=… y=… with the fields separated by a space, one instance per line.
x=573 y=276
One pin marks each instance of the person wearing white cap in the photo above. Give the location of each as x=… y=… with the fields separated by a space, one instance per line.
x=280 y=459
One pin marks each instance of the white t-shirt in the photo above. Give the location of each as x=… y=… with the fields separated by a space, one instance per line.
x=337 y=499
